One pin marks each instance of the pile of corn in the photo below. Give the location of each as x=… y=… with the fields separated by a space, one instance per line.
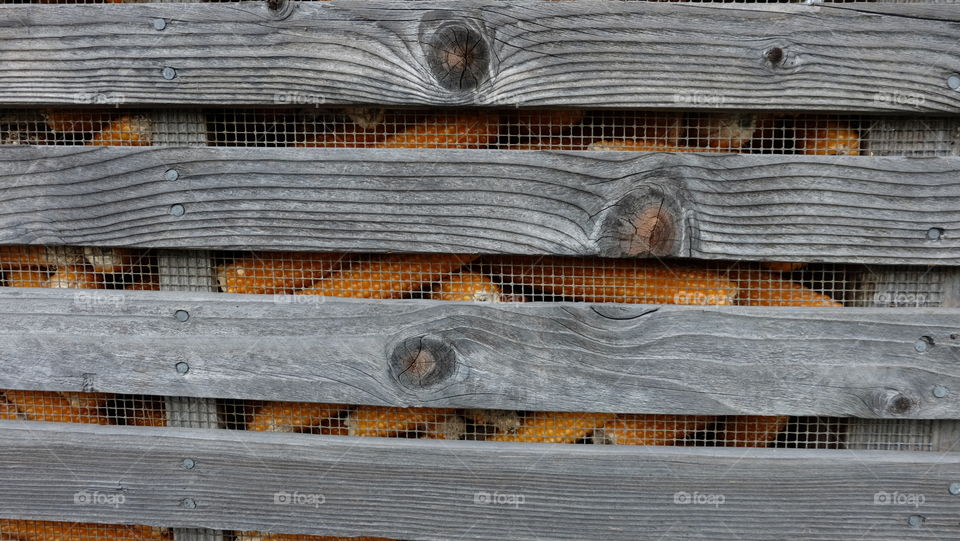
x=76 y=407
x=77 y=268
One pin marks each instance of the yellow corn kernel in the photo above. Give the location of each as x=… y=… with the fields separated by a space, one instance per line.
x=651 y=429
x=548 y=122
x=276 y=272
x=41 y=530
x=783 y=266
x=759 y=288
x=124 y=131
x=753 y=430
x=834 y=138
x=290 y=416
x=381 y=421
x=259 y=536
x=149 y=413
x=626 y=281
x=52 y=407
x=30 y=257
x=453 y=130
x=114 y=260
x=390 y=277
x=76 y=277
x=351 y=137
x=467 y=286
x=27 y=278
x=562 y=427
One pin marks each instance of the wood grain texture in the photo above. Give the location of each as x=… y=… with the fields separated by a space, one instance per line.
x=411 y=489
x=527 y=356
x=625 y=54
x=794 y=208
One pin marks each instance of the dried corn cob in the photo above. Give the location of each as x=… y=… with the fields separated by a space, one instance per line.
x=782 y=266
x=52 y=407
x=451 y=427
x=644 y=145
x=552 y=122
x=27 y=278
x=467 y=286
x=113 y=260
x=390 y=277
x=290 y=416
x=380 y=421
x=9 y=412
x=753 y=430
x=124 y=131
x=73 y=121
x=41 y=530
x=551 y=143
x=563 y=427
x=759 y=288
x=86 y=400
x=26 y=257
x=502 y=420
x=725 y=132
x=355 y=138
x=275 y=272
x=76 y=277
x=259 y=536
x=463 y=130
x=150 y=283
x=627 y=281
x=650 y=429
x=831 y=139
x=147 y=413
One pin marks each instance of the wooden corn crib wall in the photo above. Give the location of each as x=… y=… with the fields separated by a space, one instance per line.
x=750 y=326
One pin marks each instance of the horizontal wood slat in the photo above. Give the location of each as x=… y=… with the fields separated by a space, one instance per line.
x=528 y=356
x=805 y=208
x=530 y=53
x=420 y=489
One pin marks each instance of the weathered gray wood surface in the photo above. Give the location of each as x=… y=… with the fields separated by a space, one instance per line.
x=533 y=356
x=623 y=54
x=813 y=208
x=428 y=489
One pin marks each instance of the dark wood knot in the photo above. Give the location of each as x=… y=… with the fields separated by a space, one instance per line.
x=458 y=56
x=891 y=402
x=648 y=222
x=421 y=362
x=774 y=56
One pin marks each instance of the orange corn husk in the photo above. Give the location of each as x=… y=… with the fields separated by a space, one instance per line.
x=617 y=280
x=753 y=430
x=86 y=400
x=276 y=272
x=651 y=429
x=73 y=121
x=551 y=143
x=759 y=288
x=451 y=427
x=76 y=277
x=548 y=122
x=9 y=412
x=52 y=407
x=452 y=130
x=124 y=131
x=28 y=257
x=381 y=421
x=467 y=286
x=725 y=131
x=832 y=139
x=783 y=266
x=290 y=416
x=645 y=145
x=113 y=260
x=259 y=536
x=562 y=427
x=27 y=278
x=41 y=530
x=502 y=420
x=390 y=277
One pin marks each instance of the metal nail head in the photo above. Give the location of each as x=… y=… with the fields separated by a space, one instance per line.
x=159 y=24
x=954 y=81
x=934 y=233
x=177 y=210
x=921 y=345
x=915 y=521
x=955 y=489
x=168 y=73
x=182 y=368
x=171 y=174
x=939 y=391
x=188 y=503
x=188 y=463
x=181 y=315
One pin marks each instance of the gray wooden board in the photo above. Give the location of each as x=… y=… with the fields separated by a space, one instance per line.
x=529 y=356
x=430 y=489
x=623 y=54
x=809 y=208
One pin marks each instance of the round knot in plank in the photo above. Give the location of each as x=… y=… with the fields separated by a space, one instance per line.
x=458 y=56
x=422 y=362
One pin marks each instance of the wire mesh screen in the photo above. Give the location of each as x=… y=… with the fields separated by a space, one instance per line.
x=510 y=129
x=38 y=530
x=77 y=407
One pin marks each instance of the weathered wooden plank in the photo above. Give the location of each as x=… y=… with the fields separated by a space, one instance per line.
x=624 y=54
x=810 y=208
x=529 y=356
x=421 y=489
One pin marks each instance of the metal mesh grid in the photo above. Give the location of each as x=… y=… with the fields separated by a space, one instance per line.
x=73 y=267
x=510 y=129
x=88 y=408
x=39 y=530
